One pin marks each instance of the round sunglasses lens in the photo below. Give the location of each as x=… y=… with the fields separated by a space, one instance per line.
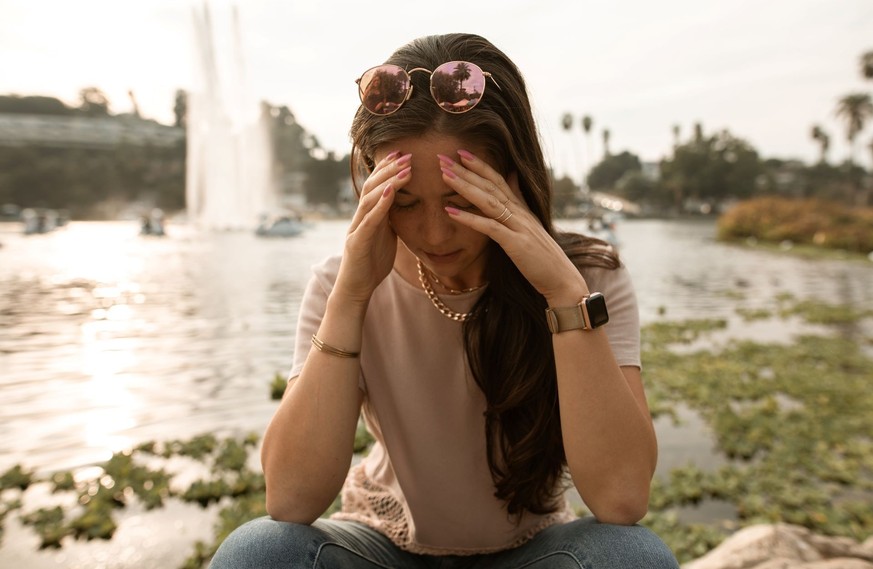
x=383 y=89
x=457 y=86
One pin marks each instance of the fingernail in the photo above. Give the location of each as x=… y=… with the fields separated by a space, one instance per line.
x=403 y=173
x=404 y=159
x=387 y=191
x=445 y=160
x=466 y=155
x=392 y=155
x=452 y=211
x=449 y=173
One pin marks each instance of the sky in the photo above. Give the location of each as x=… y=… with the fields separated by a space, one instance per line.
x=766 y=71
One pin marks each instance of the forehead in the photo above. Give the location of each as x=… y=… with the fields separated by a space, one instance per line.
x=424 y=149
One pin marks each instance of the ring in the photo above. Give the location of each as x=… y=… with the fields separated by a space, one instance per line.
x=504 y=216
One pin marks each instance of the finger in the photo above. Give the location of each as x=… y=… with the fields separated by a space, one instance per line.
x=490 y=196
x=389 y=166
x=379 y=212
x=508 y=193
x=375 y=196
x=491 y=227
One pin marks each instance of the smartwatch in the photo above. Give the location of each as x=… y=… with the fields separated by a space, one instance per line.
x=589 y=314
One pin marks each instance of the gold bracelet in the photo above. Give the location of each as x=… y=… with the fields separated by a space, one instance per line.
x=327 y=349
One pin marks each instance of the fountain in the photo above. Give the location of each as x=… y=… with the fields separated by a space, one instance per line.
x=229 y=180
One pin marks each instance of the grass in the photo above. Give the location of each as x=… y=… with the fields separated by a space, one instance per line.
x=792 y=420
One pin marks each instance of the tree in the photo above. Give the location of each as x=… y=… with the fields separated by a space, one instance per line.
x=35 y=105
x=711 y=170
x=180 y=108
x=676 y=133
x=854 y=109
x=605 y=142
x=867 y=65
x=587 y=123
x=606 y=174
x=93 y=101
x=824 y=141
x=324 y=179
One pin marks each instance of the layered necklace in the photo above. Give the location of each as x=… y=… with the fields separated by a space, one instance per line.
x=435 y=300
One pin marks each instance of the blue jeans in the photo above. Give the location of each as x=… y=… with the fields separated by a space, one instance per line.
x=328 y=544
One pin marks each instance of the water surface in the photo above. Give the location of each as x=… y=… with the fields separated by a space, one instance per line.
x=108 y=339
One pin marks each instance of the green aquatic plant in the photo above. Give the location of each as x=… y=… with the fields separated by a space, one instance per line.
x=793 y=421
x=277 y=387
x=16 y=477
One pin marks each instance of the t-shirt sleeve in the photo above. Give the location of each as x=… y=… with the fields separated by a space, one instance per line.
x=312 y=308
x=623 y=328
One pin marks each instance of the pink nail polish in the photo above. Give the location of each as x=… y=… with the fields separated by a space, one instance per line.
x=452 y=211
x=405 y=159
x=392 y=155
x=466 y=155
x=445 y=160
x=404 y=173
x=449 y=173
x=387 y=191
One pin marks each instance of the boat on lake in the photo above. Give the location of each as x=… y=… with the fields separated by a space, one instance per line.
x=282 y=226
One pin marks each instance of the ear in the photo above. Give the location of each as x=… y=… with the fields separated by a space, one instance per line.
x=512 y=181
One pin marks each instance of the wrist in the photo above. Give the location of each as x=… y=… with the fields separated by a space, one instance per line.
x=568 y=296
x=352 y=309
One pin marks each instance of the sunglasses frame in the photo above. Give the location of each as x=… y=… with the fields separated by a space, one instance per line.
x=485 y=74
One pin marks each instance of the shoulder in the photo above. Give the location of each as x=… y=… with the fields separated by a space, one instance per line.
x=324 y=272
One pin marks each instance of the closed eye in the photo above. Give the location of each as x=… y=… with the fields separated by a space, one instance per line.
x=463 y=205
x=403 y=207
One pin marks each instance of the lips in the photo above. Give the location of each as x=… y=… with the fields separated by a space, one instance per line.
x=443 y=258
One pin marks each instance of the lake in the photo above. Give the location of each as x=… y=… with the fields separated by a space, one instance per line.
x=108 y=339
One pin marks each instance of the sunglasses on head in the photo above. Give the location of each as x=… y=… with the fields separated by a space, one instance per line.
x=456 y=86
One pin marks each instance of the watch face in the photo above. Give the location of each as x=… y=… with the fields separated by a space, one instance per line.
x=597 y=314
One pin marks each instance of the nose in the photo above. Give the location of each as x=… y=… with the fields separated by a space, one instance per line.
x=436 y=227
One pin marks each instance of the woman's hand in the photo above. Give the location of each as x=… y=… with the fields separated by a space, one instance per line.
x=371 y=244
x=507 y=220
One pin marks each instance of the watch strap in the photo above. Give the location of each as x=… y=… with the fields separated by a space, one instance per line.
x=565 y=318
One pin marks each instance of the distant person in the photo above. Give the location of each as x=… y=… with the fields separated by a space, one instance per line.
x=475 y=339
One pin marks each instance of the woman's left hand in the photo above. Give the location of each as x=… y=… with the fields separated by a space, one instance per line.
x=507 y=220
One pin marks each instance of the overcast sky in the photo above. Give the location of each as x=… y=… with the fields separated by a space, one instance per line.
x=765 y=70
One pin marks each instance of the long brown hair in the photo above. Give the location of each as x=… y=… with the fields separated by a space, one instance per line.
x=507 y=341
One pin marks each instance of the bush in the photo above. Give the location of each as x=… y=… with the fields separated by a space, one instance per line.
x=804 y=222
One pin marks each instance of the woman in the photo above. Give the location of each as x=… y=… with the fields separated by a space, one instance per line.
x=471 y=336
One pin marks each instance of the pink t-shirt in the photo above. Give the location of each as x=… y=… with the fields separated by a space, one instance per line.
x=426 y=483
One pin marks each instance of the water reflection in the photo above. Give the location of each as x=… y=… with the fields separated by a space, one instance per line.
x=108 y=339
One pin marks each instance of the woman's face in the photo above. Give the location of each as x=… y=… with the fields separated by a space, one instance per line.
x=455 y=253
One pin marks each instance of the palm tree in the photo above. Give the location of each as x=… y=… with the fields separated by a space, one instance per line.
x=567 y=125
x=606 y=143
x=824 y=142
x=461 y=74
x=867 y=65
x=676 y=132
x=587 y=122
x=855 y=109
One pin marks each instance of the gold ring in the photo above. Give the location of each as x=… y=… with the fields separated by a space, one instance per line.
x=504 y=216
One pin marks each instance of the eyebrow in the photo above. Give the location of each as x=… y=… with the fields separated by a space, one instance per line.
x=445 y=195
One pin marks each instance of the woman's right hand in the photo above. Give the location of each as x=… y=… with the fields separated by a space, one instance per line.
x=371 y=243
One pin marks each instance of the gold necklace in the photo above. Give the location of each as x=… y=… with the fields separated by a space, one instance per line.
x=450 y=290
x=444 y=310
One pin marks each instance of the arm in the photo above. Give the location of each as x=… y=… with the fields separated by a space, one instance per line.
x=608 y=434
x=308 y=444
